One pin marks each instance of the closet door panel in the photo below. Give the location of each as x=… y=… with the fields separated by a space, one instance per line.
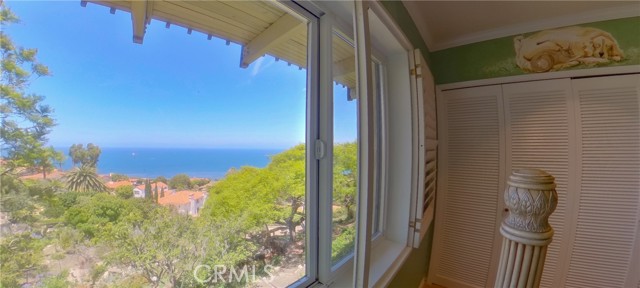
x=609 y=182
x=470 y=180
x=539 y=134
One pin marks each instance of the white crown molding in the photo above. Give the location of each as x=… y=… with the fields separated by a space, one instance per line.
x=600 y=71
x=617 y=12
x=415 y=14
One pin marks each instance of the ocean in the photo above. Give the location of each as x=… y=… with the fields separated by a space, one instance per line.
x=167 y=162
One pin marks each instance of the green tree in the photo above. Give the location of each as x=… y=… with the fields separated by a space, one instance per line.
x=345 y=173
x=261 y=197
x=343 y=244
x=227 y=245
x=180 y=182
x=168 y=247
x=289 y=185
x=200 y=182
x=85 y=156
x=96 y=272
x=161 y=179
x=20 y=259
x=68 y=238
x=84 y=179
x=97 y=216
x=118 y=177
x=147 y=189
x=47 y=160
x=246 y=196
x=26 y=203
x=10 y=184
x=20 y=206
x=155 y=194
x=69 y=199
x=125 y=192
x=25 y=120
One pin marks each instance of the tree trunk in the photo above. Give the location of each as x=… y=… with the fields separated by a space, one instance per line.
x=268 y=238
x=349 y=212
x=290 y=224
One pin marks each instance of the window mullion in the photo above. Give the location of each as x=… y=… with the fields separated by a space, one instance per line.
x=326 y=163
x=366 y=167
x=313 y=130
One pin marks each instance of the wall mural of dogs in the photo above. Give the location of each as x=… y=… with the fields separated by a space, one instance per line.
x=556 y=49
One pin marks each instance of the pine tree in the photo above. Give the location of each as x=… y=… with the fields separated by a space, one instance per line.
x=147 y=189
x=25 y=120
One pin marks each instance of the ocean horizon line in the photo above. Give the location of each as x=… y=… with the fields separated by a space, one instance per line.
x=168 y=162
x=57 y=147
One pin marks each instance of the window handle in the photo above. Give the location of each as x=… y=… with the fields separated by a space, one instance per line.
x=320 y=149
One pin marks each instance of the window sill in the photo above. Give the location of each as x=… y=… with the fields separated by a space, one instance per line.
x=386 y=259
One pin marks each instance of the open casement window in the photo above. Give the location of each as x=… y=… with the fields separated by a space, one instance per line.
x=357 y=118
x=388 y=159
x=426 y=144
x=285 y=216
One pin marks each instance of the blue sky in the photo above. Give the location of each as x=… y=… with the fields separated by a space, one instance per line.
x=175 y=90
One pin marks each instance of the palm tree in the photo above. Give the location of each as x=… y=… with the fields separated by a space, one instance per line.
x=84 y=179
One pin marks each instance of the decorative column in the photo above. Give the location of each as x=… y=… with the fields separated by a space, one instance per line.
x=530 y=197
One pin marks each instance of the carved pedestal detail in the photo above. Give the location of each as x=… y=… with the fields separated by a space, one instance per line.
x=530 y=197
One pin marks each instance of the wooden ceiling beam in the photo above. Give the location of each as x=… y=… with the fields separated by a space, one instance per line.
x=278 y=32
x=140 y=18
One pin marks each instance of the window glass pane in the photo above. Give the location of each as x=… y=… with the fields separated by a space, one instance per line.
x=183 y=169
x=345 y=150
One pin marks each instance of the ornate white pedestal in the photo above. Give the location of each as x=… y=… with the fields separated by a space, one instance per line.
x=530 y=197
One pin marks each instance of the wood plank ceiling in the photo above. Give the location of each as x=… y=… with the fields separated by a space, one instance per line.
x=260 y=27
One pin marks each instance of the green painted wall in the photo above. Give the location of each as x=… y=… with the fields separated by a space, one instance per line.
x=496 y=58
x=415 y=268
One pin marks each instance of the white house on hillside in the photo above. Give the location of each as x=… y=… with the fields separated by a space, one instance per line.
x=185 y=202
x=138 y=191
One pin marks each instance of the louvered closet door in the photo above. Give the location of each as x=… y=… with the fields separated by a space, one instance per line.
x=540 y=134
x=609 y=184
x=470 y=180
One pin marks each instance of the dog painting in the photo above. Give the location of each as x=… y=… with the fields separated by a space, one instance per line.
x=556 y=49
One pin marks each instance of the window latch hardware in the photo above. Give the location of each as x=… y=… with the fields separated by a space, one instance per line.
x=320 y=149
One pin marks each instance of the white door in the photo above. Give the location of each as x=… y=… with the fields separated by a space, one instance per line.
x=471 y=178
x=606 y=215
x=540 y=134
x=586 y=133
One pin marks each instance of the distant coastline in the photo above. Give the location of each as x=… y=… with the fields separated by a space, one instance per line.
x=167 y=162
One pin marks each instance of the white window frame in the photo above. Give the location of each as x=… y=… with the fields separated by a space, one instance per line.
x=314 y=132
x=377 y=257
x=388 y=249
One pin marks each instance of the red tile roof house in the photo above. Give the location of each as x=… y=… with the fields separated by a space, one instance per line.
x=185 y=202
x=138 y=191
x=114 y=185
